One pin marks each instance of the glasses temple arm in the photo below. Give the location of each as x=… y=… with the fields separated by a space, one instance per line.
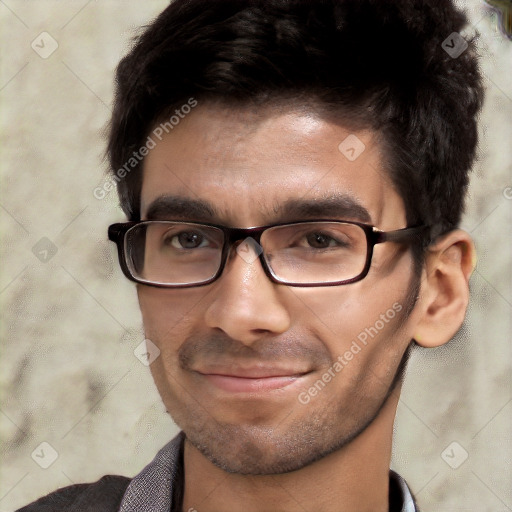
x=405 y=235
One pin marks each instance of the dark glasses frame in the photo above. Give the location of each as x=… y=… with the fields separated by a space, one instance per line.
x=409 y=235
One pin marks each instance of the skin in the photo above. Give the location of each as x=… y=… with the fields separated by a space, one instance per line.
x=263 y=449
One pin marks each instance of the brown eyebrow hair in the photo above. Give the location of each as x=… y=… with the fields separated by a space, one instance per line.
x=168 y=207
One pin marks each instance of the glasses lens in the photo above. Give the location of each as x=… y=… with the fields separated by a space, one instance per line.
x=315 y=252
x=173 y=253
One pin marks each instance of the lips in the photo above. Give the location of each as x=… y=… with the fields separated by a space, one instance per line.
x=251 y=379
x=250 y=385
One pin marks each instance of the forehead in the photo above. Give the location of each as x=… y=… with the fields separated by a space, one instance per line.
x=244 y=168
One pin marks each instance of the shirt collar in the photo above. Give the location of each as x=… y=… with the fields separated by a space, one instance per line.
x=408 y=504
x=152 y=489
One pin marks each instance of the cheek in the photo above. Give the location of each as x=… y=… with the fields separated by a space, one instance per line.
x=169 y=314
x=365 y=342
x=363 y=323
x=342 y=314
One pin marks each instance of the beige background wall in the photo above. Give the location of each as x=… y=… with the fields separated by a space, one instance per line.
x=70 y=325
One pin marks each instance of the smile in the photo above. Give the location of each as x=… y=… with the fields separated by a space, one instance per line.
x=251 y=384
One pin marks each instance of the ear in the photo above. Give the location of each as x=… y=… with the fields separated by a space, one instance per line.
x=444 y=292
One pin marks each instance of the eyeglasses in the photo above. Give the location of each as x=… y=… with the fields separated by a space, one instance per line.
x=173 y=254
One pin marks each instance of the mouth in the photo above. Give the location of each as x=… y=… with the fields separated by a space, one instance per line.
x=252 y=380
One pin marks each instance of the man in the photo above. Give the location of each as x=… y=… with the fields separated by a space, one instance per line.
x=293 y=174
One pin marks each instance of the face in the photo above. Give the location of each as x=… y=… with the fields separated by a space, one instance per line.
x=262 y=377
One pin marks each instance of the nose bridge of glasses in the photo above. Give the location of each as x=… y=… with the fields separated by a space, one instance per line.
x=250 y=251
x=235 y=235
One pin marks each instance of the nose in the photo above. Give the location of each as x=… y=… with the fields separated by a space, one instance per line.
x=246 y=303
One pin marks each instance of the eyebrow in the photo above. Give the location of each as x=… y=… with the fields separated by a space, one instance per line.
x=168 y=207
x=340 y=206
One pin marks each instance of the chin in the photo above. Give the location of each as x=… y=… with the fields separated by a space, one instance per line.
x=250 y=450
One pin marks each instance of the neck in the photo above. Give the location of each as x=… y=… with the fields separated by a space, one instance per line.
x=355 y=477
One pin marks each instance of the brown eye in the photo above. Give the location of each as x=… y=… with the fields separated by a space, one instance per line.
x=319 y=240
x=188 y=240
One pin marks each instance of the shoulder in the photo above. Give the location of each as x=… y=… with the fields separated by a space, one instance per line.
x=105 y=495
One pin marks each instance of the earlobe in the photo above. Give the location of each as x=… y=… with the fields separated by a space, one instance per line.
x=444 y=294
